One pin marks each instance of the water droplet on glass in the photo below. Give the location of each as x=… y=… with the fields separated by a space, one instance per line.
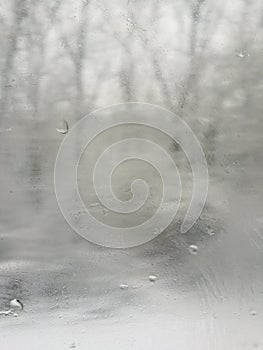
x=210 y=231
x=156 y=231
x=193 y=249
x=16 y=304
x=152 y=278
x=124 y=286
x=63 y=127
x=241 y=54
x=72 y=346
x=6 y=313
x=253 y=312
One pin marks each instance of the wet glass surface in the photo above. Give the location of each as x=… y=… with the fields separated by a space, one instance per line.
x=200 y=59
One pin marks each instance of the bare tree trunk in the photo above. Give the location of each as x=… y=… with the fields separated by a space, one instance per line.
x=193 y=66
x=11 y=52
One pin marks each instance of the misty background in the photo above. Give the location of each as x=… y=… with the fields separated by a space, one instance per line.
x=201 y=59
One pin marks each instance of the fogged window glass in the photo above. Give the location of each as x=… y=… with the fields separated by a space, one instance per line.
x=131 y=206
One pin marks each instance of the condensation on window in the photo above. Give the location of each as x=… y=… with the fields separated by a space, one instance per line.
x=129 y=103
